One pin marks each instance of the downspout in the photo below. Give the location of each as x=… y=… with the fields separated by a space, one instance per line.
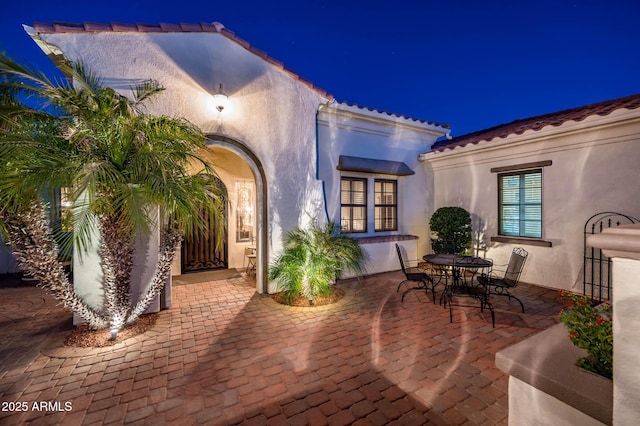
x=324 y=190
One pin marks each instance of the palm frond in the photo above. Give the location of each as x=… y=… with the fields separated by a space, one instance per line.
x=145 y=91
x=117 y=163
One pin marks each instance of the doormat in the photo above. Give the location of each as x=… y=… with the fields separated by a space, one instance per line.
x=200 y=277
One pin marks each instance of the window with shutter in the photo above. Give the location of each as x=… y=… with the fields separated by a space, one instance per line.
x=520 y=204
x=385 y=205
x=353 y=205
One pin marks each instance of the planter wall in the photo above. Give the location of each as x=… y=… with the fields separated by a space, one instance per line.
x=547 y=387
x=622 y=244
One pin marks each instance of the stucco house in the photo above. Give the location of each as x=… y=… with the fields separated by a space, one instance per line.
x=576 y=163
x=285 y=149
x=288 y=153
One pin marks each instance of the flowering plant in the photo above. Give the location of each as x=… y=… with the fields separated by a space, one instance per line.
x=590 y=328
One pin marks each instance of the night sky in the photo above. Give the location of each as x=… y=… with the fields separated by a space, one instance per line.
x=471 y=64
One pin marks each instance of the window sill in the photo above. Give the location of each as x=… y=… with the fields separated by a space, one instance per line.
x=384 y=239
x=521 y=240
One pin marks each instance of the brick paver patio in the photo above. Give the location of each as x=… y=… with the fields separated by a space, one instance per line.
x=224 y=354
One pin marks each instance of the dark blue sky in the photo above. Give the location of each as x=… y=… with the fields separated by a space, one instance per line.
x=471 y=64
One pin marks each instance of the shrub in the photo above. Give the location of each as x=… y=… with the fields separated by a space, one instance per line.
x=590 y=328
x=451 y=230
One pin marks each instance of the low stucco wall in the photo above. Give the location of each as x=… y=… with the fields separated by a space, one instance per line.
x=381 y=255
x=547 y=387
x=528 y=406
x=623 y=245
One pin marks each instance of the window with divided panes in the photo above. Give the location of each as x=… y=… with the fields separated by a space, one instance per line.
x=520 y=203
x=353 y=205
x=385 y=205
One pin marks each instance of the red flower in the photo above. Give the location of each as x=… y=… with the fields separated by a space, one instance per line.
x=601 y=320
x=570 y=303
x=573 y=335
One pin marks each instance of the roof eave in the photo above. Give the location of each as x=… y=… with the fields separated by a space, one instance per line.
x=212 y=28
x=616 y=117
x=354 y=112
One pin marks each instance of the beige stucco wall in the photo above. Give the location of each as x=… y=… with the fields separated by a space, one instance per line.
x=353 y=131
x=270 y=113
x=595 y=169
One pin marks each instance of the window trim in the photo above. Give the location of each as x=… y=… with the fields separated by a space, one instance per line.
x=365 y=205
x=383 y=205
x=522 y=167
x=518 y=169
x=520 y=174
x=521 y=240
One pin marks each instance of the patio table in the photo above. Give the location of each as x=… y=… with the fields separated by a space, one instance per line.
x=462 y=271
x=458 y=263
x=444 y=259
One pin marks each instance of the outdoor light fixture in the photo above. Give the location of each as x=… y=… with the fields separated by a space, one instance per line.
x=114 y=333
x=220 y=99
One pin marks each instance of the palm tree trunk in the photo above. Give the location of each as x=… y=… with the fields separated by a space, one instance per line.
x=116 y=251
x=37 y=254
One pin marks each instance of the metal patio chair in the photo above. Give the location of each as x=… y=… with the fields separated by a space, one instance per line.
x=422 y=280
x=463 y=291
x=250 y=256
x=502 y=286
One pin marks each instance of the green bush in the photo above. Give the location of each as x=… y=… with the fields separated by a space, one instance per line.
x=312 y=260
x=451 y=230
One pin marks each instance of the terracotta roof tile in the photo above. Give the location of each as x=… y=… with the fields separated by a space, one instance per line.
x=536 y=123
x=215 y=27
x=193 y=28
x=122 y=27
x=93 y=26
x=169 y=28
x=149 y=28
x=69 y=28
x=392 y=114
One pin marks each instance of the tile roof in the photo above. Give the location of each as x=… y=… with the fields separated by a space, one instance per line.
x=215 y=27
x=536 y=123
x=393 y=114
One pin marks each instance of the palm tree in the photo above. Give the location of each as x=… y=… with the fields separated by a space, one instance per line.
x=313 y=258
x=116 y=163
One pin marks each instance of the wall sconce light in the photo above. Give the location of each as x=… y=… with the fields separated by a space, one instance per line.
x=220 y=99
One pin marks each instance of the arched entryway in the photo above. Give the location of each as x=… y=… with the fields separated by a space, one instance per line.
x=240 y=235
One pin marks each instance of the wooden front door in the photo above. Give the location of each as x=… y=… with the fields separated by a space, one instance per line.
x=199 y=251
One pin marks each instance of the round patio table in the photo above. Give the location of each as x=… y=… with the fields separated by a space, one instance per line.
x=458 y=261
x=463 y=271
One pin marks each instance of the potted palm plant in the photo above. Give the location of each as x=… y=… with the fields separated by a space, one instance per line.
x=313 y=259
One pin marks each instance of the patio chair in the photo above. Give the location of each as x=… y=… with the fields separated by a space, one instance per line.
x=422 y=280
x=501 y=286
x=250 y=255
x=461 y=290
